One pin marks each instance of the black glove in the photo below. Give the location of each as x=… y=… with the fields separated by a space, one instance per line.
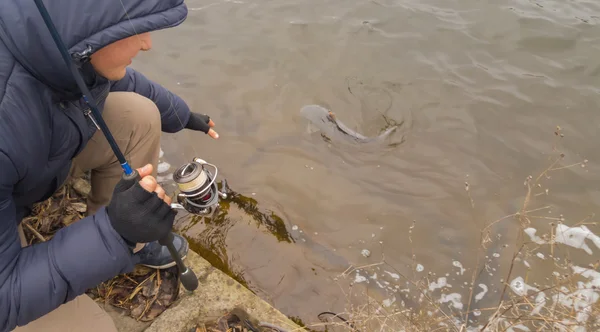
x=137 y=215
x=198 y=122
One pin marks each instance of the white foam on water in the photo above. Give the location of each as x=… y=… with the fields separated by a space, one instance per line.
x=540 y=302
x=519 y=286
x=540 y=255
x=161 y=153
x=420 y=268
x=459 y=265
x=563 y=324
x=163 y=167
x=586 y=295
x=441 y=282
x=455 y=298
x=531 y=232
x=393 y=275
x=358 y=279
x=576 y=236
x=389 y=302
x=481 y=294
x=365 y=252
x=519 y=327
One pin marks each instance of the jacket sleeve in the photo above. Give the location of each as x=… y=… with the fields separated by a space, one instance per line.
x=174 y=112
x=37 y=279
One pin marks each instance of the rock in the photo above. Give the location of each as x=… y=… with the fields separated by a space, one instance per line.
x=149 y=289
x=215 y=297
x=137 y=309
x=155 y=310
x=82 y=187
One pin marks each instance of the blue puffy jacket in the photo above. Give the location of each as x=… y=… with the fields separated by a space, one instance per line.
x=43 y=126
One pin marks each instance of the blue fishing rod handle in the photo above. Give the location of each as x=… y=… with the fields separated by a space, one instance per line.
x=127 y=169
x=132 y=177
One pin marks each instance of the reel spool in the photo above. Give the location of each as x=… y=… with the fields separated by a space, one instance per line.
x=199 y=192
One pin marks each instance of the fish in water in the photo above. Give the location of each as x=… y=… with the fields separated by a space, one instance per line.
x=327 y=122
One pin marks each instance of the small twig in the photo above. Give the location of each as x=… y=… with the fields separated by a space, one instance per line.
x=130 y=279
x=36 y=233
x=563 y=167
x=552 y=241
x=351 y=269
x=150 y=303
x=544 y=217
x=140 y=285
x=549 y=168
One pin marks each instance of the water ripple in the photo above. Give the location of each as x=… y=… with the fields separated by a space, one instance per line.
x=480 y=87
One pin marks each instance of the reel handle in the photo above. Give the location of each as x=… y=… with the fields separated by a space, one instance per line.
x=186 y=275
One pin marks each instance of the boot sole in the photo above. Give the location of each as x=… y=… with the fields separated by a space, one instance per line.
x=165 y=266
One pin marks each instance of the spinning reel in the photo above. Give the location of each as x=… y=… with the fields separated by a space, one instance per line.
x=199 y=192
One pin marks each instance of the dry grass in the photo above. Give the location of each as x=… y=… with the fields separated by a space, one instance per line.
x=62 y=209
x=142 y=294
x=561 y=295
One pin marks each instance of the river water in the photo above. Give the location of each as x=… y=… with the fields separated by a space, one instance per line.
x=477 y=89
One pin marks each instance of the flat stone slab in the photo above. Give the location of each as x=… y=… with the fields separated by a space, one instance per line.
x=215 y=296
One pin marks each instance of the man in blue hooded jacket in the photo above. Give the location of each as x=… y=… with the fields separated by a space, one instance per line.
x=46 y=132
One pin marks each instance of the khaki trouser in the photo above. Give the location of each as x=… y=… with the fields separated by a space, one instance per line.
x=135 y=124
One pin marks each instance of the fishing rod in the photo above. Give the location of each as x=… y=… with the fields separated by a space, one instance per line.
x=187 y=276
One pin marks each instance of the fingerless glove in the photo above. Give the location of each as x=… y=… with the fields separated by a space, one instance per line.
x=198 y=122
x=137 y=215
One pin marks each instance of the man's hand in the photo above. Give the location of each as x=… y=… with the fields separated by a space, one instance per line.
x=211 y=132
x=202 y=122
x=140 y=211
x=149 y=183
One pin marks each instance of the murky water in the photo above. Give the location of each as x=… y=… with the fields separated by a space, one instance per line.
x=477 y=87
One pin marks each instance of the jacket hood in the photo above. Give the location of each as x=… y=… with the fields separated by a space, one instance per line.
x=84 y=26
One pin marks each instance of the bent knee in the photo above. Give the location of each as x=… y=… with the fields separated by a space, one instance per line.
x=138 y=113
